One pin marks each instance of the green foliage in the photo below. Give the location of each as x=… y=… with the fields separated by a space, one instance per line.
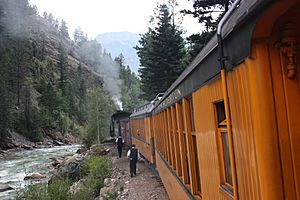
x=95 y=170
x=161 y=54
x=63 y=29
x=40 y=90
x=6 y=103
x=57 y=190
x=130 y=87
x=34 y=192
x=208 y=13
x=99 y=109
x=111 y=196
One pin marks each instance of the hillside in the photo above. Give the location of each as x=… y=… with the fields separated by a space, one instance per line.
x=49 y=83
x=121 y=42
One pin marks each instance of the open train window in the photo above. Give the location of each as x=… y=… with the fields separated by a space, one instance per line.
x=197 y=171
x=193 y=149
x=224 y=149
x=191 y=113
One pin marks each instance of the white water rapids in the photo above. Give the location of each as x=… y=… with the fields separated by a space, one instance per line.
x=20 y=163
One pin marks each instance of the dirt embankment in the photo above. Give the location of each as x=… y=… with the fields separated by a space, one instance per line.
x=145 y=185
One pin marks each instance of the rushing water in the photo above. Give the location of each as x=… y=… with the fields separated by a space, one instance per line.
x=20 y=163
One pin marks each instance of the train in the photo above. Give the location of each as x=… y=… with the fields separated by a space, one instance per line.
x=120 y=126
x=229 y=126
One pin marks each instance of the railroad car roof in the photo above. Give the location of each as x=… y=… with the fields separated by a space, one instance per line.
x=120 y=115
x=142 y=111
x=236 y=33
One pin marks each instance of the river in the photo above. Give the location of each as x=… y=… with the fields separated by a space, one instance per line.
x=20 y=163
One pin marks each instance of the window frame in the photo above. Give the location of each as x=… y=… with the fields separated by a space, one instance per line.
x=221 y=128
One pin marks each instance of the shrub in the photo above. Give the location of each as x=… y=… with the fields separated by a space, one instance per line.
x=95 y=170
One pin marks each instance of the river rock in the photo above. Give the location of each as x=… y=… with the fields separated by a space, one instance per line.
x=35 y=176
x=27 y=147
x=55 y=162
x=4 y=188
x=56 y=142
x=98 y=150
x=70 y=167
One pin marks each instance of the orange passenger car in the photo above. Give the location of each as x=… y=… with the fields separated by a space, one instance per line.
x=231 y=129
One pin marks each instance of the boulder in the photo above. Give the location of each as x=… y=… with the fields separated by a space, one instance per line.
x=27 y=147
x=55 y=162
x=58 y=143
x=70 y=167
x=4 y=188
x=34 y=176
x=98 y=150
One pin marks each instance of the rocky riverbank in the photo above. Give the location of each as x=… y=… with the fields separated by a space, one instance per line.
x=17 y=141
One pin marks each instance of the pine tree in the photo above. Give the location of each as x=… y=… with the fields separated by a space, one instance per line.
x=6 y=103
x=79 y=36
x=62 y=65
x=82 y=95
x=63 y=29
x=208 y=13
x=130 y=86
x=161 y=54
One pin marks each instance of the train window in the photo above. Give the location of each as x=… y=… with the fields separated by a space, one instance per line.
x=172 y=133
x=224 y=149
x=226 y=157
x=197 y=172
x=191 y=113
x=187 y=172
x=181 y=115
x=177 y=147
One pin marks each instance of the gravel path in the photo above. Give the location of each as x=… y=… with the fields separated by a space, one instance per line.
x=144 y=186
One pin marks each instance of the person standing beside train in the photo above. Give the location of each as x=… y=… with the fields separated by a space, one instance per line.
x=120 y=142
x=133 y=155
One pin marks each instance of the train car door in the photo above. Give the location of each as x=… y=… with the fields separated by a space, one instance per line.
x=284 y=57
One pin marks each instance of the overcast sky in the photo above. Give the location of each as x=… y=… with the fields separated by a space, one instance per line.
x=100 y=16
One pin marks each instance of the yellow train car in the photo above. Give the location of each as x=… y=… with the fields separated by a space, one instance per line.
x=229 y=126
x=142 y=133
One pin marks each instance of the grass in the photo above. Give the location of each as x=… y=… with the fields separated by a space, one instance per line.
x=94 y=171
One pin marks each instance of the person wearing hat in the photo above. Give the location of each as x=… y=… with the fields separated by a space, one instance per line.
x=120 y=142
x=133 y=155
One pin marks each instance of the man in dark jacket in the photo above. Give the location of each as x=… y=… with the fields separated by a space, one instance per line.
x=133 y=155
x=120 y=142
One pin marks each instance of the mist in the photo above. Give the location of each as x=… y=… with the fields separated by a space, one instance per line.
x=16 y=17
x=92 y=54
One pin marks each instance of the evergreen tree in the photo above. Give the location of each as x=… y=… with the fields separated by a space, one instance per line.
x=130 y=86
x=79 y=36
x=100 y=108
x=45 y=15
x=208 y=13
x=62 y=65
x=161 y=54
x=63 y=29
x=81 y=95
x=6 y=103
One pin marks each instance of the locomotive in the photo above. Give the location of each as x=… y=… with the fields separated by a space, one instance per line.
x=228 y=127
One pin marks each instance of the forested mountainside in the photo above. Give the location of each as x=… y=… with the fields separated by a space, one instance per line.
x=47 y=81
